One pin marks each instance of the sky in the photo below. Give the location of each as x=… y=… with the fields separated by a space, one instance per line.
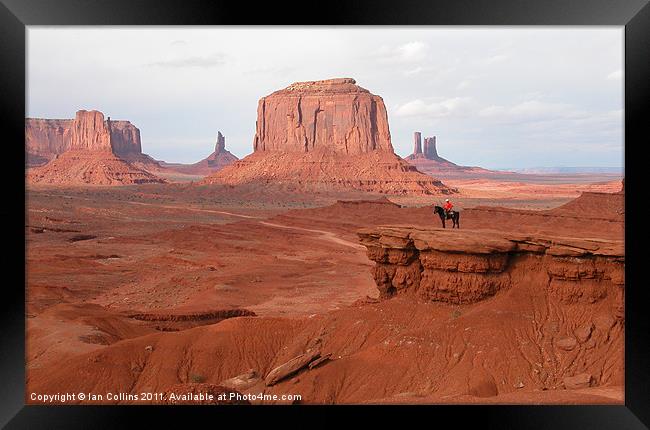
x=495 y=97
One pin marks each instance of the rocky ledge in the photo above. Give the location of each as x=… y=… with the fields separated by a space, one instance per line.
x=466 y=266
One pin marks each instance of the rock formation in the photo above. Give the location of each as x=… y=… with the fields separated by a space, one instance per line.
x=220 y=146
x=417 y=139
x=125 y=138
x=429 y=152
x=219 y=159
x=89 y=132
x=323 y=135
x=427 y=160
x=87 y=150
x=335 y=115
x=47 y=138
x=469 y=266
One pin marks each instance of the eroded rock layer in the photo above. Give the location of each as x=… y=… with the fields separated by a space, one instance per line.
x=323 y=134
x=469 y=266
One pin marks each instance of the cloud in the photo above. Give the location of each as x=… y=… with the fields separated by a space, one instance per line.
x=499 y=58
x=615 y=75
x=464 y=84
x=531 y=111
x=412 y=51
x=534 y=113
x=212 y=60
x=415 y=71
x=409 y=52
x=271 y=70
x=456 y=107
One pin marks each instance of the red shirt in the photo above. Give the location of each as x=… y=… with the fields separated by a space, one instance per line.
x=448 y=206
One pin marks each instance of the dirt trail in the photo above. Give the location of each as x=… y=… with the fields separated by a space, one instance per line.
x=325 y=235
x=196 y=210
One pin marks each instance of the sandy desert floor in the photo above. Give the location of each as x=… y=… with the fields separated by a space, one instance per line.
x=163 y=287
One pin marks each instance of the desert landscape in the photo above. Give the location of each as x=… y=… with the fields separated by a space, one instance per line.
x=315 y=266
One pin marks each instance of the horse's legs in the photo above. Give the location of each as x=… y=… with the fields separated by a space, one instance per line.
x=442 y=219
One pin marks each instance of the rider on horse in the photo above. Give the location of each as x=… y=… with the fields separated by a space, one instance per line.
x=447 y=207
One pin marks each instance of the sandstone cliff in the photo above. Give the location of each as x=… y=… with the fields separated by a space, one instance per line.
x=125 y=138
x=45 y=139
x=336 y=115
x=470 y=265
x=89 y=132
x=329 y=134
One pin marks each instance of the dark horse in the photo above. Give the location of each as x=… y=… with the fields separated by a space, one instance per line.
x=453 y=215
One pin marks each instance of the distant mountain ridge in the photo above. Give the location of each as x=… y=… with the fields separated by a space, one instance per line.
x=567 y=170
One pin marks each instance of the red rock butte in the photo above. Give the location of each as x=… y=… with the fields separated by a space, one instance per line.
x=326 y=134
x=426 y=159
x=429 y=153
x=86 y=150
x=45 y=139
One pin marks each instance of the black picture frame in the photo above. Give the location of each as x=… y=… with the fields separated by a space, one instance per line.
x=15 y=15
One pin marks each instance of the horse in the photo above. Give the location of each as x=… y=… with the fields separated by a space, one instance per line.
x=453 y=215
